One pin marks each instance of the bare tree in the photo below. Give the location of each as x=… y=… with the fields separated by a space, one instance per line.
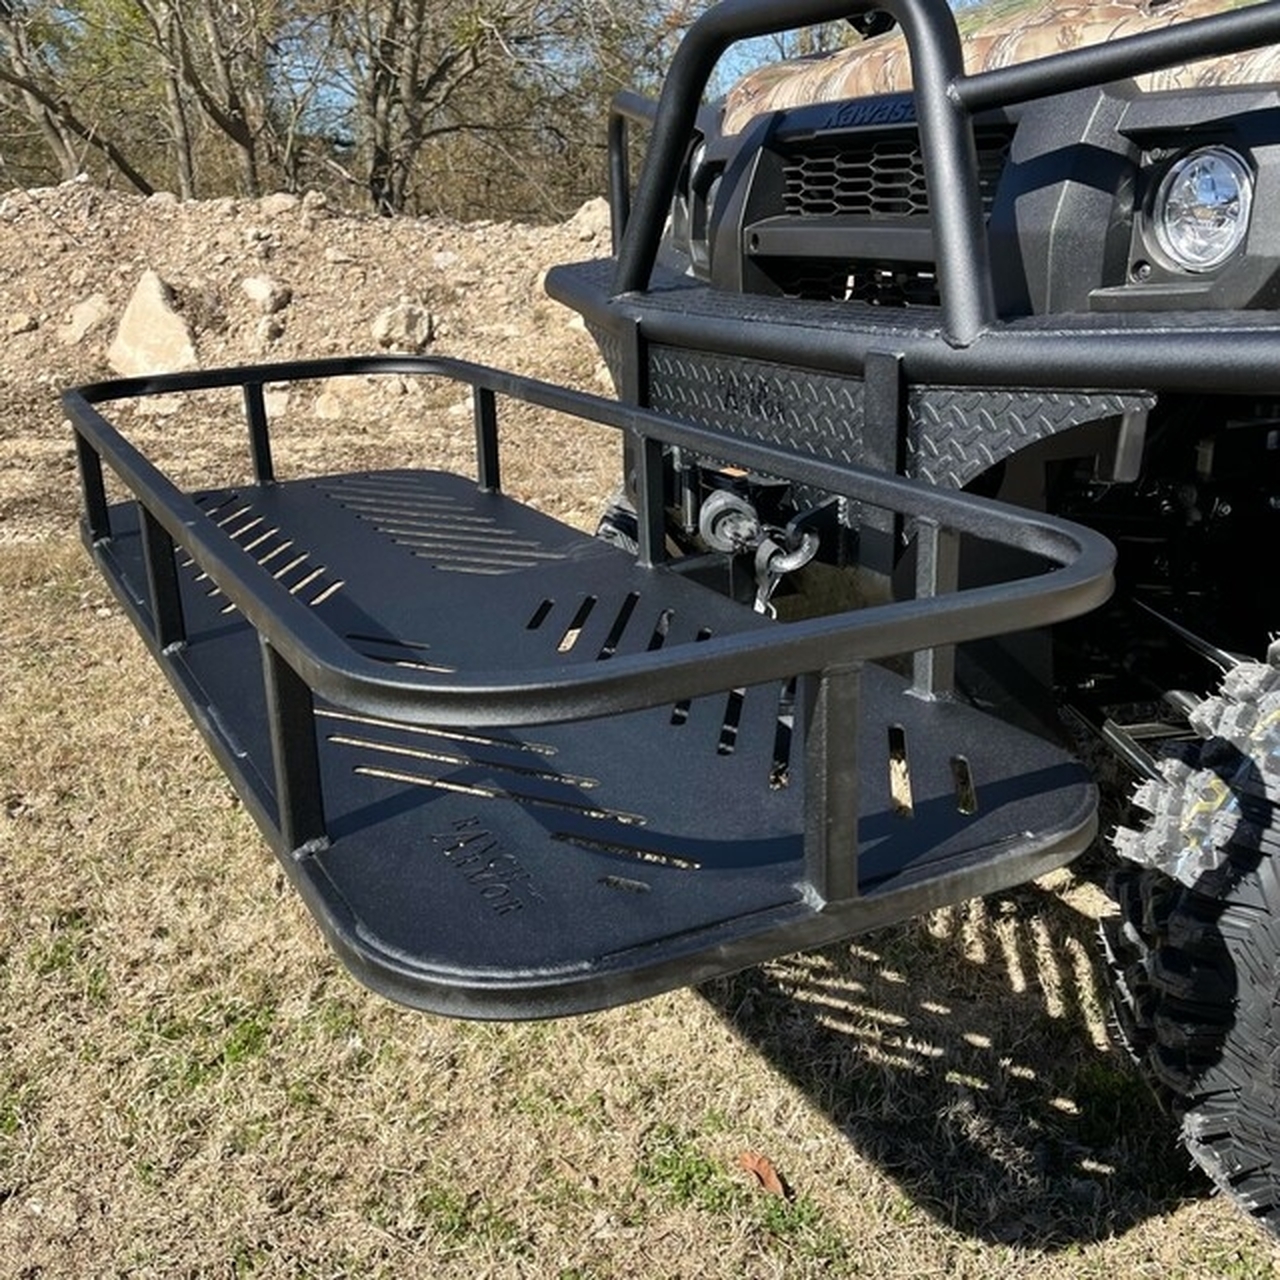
x=30 y=86
x=513 y=91
x=217 y=51
x=471 y=107
x=163 y=20
x=408 y=60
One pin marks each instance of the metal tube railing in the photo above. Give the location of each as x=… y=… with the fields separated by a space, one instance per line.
x=334 y=670
x=627 y=108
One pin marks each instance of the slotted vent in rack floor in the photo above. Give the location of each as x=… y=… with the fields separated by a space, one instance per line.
x=290 y=564
x=412 y=655
x=436 y=526
x=476 y=765
x=484 y=767
x=628 y=625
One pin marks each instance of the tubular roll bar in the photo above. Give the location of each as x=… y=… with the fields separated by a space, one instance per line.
x=946 y=101
x=627 y=108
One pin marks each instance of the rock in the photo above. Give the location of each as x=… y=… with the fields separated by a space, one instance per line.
x=269 y=329
x=21 y=322
x=405 y=327
x=260 y=241
x=328 y=407
x=151 y=337
x=84 y=318
x=338 y=398
x=592 y=221
x=268 y=295
x=162 y=200
x=277 y=204
x=158 y=406
x=337 y=256
x=357 y=399
x=276 y=401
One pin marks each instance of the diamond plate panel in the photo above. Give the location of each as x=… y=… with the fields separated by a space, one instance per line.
x=610 y=349
x=956 y=433
x=798 y=408
x=953 y=433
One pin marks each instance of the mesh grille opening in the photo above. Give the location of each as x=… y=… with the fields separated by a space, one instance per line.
x=878 y=176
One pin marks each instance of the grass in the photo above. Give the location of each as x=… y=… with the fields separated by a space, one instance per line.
x=190 y=1085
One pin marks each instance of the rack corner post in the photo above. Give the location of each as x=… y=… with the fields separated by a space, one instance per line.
x=167 y=617
x=830 y=702
x=255 y=408
x=488 y=469
x=294 y=754
x=937 y=573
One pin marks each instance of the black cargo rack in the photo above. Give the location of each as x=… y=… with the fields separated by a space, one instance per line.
x=518 y=772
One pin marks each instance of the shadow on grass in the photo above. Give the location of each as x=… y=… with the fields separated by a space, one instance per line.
x=966 y=1055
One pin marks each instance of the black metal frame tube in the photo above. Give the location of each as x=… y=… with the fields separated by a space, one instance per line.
x=627 y=107
x=937 y=573
x=294 y=754
x=162 y=583
x=93 y=490
x=255 y=409
x=830 y=700
x=488 y=468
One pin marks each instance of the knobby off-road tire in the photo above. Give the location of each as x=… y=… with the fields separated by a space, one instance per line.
x=1195 y=950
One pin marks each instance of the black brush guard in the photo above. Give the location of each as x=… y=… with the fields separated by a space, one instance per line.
x=516 y=772
x=960 y=348
x=1103 y=350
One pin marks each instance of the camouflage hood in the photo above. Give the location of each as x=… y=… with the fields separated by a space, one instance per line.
x=995 y=33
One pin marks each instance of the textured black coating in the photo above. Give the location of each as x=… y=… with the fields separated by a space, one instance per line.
x=952 y=433
x=1129 y=352
x=514 y=773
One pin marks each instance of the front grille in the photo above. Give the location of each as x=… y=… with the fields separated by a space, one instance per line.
x=877 y=175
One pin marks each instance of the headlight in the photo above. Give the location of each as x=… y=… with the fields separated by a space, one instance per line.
x=1201 y=210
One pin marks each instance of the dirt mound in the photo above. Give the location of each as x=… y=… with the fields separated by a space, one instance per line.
x=280 y=278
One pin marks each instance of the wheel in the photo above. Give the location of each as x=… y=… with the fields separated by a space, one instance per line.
x=1194 y=951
